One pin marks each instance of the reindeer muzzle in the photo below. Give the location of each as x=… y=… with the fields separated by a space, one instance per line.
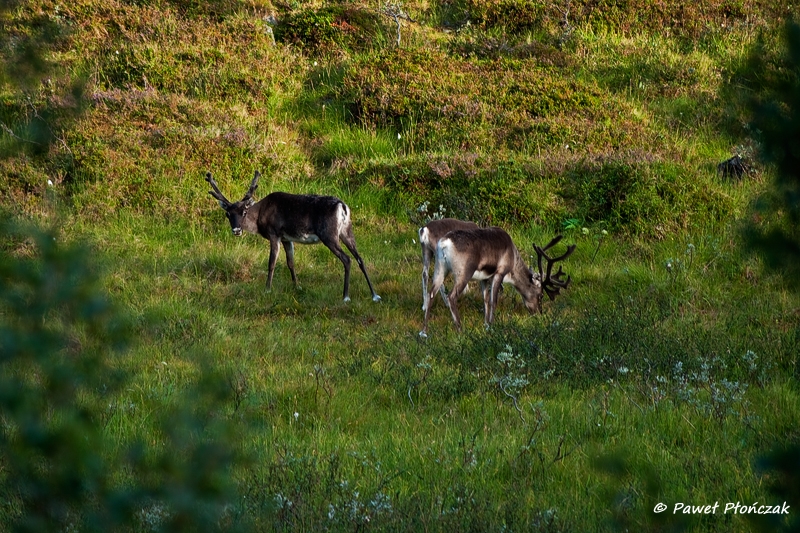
x=237 y=232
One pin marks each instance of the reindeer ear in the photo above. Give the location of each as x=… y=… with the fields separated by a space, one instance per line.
x=250 y=203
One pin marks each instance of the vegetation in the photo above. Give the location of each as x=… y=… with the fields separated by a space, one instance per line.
x=151 y=383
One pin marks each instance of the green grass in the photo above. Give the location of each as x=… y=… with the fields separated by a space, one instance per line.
x=663 y=374
x=342 y=406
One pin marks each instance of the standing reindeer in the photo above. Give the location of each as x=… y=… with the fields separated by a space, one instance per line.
x=429 y=236
x=489 y=255
x=289 y=218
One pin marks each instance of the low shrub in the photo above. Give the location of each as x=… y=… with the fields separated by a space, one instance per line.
x=470 y=187
x=633 y=193
x=512 y=15
x=640 y=195
x=482 y=45
x=473 y=105
x=330 y=28
x=688 y=21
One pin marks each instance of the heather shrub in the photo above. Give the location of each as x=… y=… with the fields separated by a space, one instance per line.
x=685 y=21
x=331 y=28
x=474 y=105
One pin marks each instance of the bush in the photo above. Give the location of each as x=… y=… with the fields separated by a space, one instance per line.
x=632 y=193
x=512 y=15
x=471 y=105
x=330 y=28
x=470 y=187
x=60 y=338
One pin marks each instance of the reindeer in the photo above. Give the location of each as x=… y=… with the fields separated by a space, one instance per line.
x=489 y=255
x=294 y=218
x=429 y=236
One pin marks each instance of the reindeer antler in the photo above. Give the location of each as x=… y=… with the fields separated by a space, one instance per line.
x=216 y=193
x=552 y=283
x=253 y=186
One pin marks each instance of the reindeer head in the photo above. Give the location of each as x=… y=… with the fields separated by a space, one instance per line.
x=236 y=211
x=531 y=290
x=551 y=283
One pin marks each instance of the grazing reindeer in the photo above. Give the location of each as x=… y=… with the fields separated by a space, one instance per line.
x=289 y=218
x=429 y=236
x=489 y=255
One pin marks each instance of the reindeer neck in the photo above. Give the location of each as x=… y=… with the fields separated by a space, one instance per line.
x=250 y=221
x=519 y=272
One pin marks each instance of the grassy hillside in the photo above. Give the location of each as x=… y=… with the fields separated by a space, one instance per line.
x=663 y=374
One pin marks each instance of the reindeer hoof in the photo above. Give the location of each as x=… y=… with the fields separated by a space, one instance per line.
x=376 y=298
x=423 y=335
x=346 y=299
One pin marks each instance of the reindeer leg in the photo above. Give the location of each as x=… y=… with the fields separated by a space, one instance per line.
x=288 y=247
x=452 y=299
x=427 y=254
x=437 y=284
x=274 y=248
x=349 y=240
x=439 y=273
x=486 y=291
x=443 y=293
x=497 y=283
x=345 y=259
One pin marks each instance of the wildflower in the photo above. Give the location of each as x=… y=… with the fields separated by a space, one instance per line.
x=282 y=501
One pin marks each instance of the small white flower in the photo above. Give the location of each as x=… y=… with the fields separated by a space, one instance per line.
x=296 y=415
x=50 y=182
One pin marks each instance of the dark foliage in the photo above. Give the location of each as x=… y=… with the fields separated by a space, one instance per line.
x=774 y=232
